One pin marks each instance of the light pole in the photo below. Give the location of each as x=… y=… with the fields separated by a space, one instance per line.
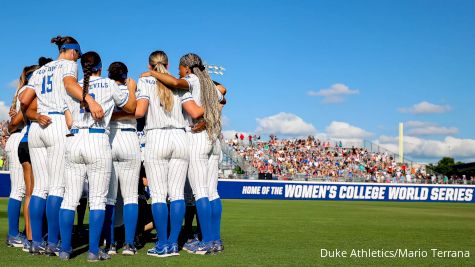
x=215 y=69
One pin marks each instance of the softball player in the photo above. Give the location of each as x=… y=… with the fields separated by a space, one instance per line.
x=126 y=163
x=88 y=152
x=166 y=152
x=17 y=178
x=47 y=137
x=203 y=144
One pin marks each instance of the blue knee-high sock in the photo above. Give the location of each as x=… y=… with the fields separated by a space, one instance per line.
x=177 y=213
x=14 y=207
x=66 y=222
x=216 y=211
x=53 y=204
x=204 y=215
x=131 y=213
x=108 y=227
x=96 y=220
x=37 y=209
x=160 y=218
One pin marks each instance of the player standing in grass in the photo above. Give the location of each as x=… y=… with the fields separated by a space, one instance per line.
x=20 y=175
x=126 y=164
x=46 y=138
x=88 y=152
x=203 y=144
x=166 y=151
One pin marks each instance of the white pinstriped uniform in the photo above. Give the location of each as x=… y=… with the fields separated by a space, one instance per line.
x=203 y=153
x=125 y=158
x=90 y=153
x=166 y=151
x=47 y=144
x=17 y=180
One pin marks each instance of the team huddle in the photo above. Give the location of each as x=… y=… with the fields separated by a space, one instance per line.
x=65 y=132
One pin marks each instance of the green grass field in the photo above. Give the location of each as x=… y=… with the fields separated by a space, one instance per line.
x=292 y=233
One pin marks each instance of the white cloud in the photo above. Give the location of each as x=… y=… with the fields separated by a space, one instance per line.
x=416 y=147
x=4 y=111
x=13 y=84
x=338 y=129
x=417 y=128
x=334 y=94
x=286 y=124
x=425 y=107
x=225 y=121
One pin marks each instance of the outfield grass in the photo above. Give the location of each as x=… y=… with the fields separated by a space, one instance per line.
x=291 y=233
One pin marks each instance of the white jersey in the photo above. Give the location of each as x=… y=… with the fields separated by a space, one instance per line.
x=157 y=118
x=123 y=124
x=107 y=94
x=195 y=89
x=49 y=86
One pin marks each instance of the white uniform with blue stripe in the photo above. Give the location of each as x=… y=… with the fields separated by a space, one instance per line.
x=203 y=168
x=88 y=151
x=47 y=144
x=125 y=158
x=166 y=150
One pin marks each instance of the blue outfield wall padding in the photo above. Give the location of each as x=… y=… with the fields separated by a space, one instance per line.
x=5 y=184
x=297 y=190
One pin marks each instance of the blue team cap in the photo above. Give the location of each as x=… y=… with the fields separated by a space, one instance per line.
x=72 y=46
x=97 y=67
x=124 y=76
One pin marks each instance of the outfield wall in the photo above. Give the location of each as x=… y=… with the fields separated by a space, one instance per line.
x=299 y=190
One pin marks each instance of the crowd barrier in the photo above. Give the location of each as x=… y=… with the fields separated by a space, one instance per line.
x=300 y=190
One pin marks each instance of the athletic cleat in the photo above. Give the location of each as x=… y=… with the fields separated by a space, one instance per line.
x=218 y=246
x=64 y=255
x=129 y=250
x=15 y=241
x=38 y=248
x=191 y=244
x=100 y=256
x=112 y=250
x=52 y=250
x=173 y=250
x=204 y=248
x=26 y=245
x=159 y=251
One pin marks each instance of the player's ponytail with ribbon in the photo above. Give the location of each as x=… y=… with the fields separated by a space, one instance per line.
x=91 y=63
x=158 y=60
x=209 y=97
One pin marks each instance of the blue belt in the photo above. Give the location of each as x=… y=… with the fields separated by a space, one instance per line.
x=128 y=130
x=55 y=113
x=91 y=130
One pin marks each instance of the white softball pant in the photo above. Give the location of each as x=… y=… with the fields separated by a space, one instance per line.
x=203 y=168
x=47 y=146
x=166 y=163
x=126 y=166
x=16 y=171
x=87 y=154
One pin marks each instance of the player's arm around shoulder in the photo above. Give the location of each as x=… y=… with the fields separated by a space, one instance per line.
x=123 y=100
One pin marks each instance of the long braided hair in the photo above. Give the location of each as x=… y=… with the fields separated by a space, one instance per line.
x=158 y=60
x=209 y=97
x=89 y=61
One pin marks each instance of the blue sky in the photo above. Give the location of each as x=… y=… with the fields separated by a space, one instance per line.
x=346 y=70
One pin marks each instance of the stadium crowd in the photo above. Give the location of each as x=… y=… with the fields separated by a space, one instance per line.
x=312 y=158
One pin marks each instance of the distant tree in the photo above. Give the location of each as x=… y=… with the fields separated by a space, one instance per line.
x=445 y=166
